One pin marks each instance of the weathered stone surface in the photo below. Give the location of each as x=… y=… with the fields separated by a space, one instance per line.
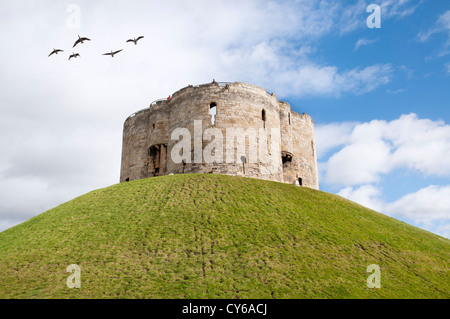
x=282 y=149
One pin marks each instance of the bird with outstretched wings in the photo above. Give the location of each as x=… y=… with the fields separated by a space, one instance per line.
x=135 y=40
x=112 y=53
x=80 y=40
x=55 y=51
x=74 y=55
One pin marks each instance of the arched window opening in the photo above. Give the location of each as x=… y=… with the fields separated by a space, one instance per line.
x=213 y=112
x=289 y=116
x=286 y=157
x=300 y=181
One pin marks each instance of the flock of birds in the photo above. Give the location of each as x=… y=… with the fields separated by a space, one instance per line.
x=81 y=40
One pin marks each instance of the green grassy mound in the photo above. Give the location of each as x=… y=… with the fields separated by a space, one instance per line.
x=214 y=236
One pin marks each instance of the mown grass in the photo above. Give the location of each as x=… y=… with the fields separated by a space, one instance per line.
x=214 y=236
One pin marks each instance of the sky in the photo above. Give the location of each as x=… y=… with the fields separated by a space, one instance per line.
x=376 y=83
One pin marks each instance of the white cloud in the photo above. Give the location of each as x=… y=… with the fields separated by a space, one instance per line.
x=362 y=42
x=311 y=79
x=420 y=144
x=365 y=152
x=399 y=8
x=359 y=163
x=366 y=195
x=330 y=136
x=379 y=147
x=428 y=207
x=424 y=206
x=368 y=79
x=395 y=91
x=353 y=16
x=267 y=64
x=443 y=230
x=442 y=25
x=444 y=20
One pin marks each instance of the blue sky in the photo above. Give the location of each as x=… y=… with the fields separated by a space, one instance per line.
x=379 y=97
x=419 y=83
x=419 y=79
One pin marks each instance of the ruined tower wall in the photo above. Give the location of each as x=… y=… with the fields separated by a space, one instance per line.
x=304 y=150
x=158 y=123
x=158 y=136
x=287 y=147
x=134 y=147
x=238 y=106
x=147 y=143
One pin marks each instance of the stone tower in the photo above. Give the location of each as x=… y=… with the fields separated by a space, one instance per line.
x=223 y=128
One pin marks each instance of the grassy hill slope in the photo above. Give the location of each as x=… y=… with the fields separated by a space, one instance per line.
x=213 y=236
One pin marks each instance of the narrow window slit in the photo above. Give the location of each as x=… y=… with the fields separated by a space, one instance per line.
x=263 y=117
x=213 y=112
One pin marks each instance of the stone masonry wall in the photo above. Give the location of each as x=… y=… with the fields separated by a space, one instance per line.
x=283 y=146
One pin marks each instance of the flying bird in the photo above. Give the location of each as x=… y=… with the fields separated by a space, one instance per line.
x=55 y=51
x=74 y=55
x=80 y=40
x=112 y=53
x=135 y=40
